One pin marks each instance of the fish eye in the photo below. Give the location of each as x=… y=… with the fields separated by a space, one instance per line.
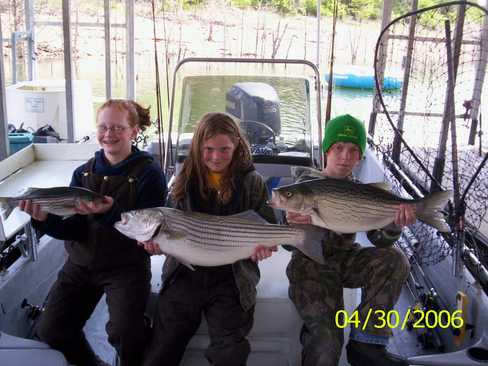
x=289 y=194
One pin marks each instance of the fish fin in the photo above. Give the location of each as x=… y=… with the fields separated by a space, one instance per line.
x=312 y=242
x=157 y=231
x=250 y=215
x=302 y=171
x=6 y=207
x=27 y=191
x=385 y=186
x=174 y=235
x=316 y=219
x=429 y=210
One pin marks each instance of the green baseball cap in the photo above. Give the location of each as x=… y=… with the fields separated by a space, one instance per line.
x=344 y=128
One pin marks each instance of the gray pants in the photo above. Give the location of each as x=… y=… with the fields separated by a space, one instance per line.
x=317 y=292
x=213 y=292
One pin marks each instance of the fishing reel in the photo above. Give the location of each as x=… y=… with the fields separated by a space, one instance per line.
x=416 y=322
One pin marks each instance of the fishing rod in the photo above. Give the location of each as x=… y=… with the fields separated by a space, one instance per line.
x=331 y=63
x=159 y=120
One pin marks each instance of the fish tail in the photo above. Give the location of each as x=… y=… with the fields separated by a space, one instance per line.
x=311 y=245
x=6 y=207
x=429 y=210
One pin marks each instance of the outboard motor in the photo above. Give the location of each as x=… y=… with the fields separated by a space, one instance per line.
x=257 y=107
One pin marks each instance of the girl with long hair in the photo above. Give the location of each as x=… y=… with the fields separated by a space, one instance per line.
x=218 y=178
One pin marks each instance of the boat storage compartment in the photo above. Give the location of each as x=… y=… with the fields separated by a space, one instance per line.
x=18 y=141
x=43 y=102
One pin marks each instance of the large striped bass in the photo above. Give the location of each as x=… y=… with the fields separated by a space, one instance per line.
x=208 y=240
x=345 y=206
x=60 y=201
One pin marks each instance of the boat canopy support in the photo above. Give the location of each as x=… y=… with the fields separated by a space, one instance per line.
x=4 y=147
x=29 y=36
x=381 y=62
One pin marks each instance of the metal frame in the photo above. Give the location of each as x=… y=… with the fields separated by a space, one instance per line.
x=480 y=70
x=387 y=10
x=68 y=69
x=14 y=38
x=108 y=57
x=479 y=81
x=29 y=36
x=397 y=143
x=130 y=65
x=244 y=61
x=4 y=146
x=31 y=41
x=458 y=215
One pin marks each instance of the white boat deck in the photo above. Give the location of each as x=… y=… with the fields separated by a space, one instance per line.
x=38 y=165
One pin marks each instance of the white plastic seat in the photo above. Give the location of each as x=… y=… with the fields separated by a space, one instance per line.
x=16 y=351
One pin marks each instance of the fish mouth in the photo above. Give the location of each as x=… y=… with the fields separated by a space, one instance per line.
x=275 y=201
x=272 y=204
x=124 y=219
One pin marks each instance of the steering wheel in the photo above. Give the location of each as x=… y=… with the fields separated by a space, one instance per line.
x=258 y=132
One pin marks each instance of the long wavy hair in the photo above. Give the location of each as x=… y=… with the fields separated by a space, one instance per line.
x=211 y=125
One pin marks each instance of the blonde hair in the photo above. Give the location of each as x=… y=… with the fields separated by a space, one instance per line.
x=211 y=125
x=137 y=115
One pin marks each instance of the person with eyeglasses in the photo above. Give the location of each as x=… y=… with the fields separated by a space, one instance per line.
x=100 y=259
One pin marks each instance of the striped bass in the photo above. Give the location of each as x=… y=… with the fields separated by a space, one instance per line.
x=209 y=240
x=60 y=201
x=345 y=206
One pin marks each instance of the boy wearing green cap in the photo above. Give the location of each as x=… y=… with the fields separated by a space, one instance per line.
x=317 y=290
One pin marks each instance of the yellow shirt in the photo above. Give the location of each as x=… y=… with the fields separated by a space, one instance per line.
x=215 y=180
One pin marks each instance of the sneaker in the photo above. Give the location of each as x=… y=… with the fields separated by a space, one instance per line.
x=368 y=354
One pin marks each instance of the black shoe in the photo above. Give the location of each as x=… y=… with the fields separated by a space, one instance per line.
x=368 y=354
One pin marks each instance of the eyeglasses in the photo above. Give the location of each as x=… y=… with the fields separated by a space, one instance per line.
x=115 y=129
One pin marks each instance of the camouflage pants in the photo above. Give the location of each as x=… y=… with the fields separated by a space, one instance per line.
x=317 y=292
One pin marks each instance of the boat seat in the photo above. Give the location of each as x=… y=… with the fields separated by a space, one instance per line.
x=275 y=334
x=8 y=341
x=16 y=351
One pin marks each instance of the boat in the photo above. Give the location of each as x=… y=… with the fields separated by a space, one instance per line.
x=356 y=77
x=278 y=103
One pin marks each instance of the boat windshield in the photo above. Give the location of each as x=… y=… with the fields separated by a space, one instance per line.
x=273 y=104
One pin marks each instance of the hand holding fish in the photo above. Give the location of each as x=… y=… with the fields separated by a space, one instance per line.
x=262 y=252
x=94 y=207
x=298 y=218
x=151 y=247
x=33 y=209
x=405 y=215
x=346 y=207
